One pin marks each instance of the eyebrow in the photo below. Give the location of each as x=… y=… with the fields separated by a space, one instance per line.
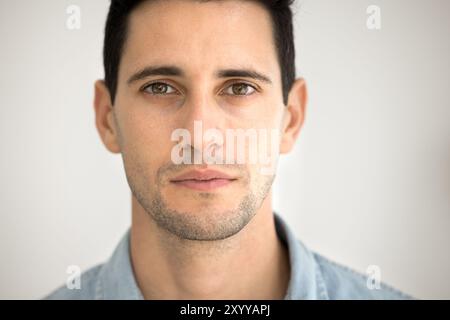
x=155 y=71
x=176 y=71
x=243 y=73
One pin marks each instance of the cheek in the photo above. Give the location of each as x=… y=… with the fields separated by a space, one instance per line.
x=268 y=114
x=145 y=145
x=145 y=133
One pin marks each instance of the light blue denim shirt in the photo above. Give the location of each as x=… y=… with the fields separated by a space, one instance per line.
x=312 y=276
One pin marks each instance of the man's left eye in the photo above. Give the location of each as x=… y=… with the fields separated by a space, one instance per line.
x=240 y=89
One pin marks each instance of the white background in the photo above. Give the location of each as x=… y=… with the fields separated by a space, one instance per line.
x=367 y=184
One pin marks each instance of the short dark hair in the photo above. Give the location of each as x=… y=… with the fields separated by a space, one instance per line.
x=116 y=33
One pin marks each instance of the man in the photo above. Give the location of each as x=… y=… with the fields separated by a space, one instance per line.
x=205 y=229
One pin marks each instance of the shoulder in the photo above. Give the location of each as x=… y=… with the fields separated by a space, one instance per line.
x=345 y=283
x=87 y=291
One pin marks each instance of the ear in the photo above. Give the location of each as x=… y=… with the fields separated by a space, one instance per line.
x=104 y=117
x=294 y=115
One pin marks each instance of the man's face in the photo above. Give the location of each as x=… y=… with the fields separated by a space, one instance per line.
x=200 y=40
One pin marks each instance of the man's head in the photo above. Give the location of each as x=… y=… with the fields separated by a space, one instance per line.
x=169 y=64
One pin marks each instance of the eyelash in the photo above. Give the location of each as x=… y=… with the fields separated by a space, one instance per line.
x=146 y=86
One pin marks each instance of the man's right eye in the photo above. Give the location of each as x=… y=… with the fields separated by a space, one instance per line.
x=159 y=88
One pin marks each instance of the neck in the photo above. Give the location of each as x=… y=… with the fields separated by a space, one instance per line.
x=252 y=264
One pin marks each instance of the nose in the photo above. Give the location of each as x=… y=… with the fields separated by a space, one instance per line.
x=205 y=121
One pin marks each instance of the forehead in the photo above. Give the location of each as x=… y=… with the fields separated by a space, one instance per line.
x=200 y=36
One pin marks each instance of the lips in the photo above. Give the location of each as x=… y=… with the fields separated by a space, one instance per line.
x=203 y=180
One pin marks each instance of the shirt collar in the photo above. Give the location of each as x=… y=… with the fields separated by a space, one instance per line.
x=117 y=281
x=306 y=280
x=116 y=278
